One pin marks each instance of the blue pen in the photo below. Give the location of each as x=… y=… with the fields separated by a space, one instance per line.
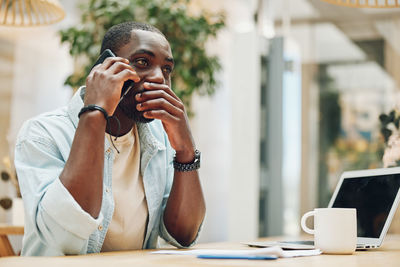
x=240 y=257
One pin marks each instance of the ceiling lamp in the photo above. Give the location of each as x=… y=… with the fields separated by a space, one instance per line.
x=30 y=12
x=366 y=3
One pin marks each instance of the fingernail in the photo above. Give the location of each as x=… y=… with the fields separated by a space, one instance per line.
x=138 y=106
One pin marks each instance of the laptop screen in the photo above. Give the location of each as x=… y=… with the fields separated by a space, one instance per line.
x=373 y=198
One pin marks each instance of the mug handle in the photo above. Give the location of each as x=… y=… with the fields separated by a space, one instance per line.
x=303 y=222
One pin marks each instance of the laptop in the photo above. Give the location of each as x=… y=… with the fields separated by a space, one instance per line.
x=374 y=193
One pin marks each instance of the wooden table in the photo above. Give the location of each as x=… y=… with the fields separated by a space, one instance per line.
x=5 y=246
x=388 y=255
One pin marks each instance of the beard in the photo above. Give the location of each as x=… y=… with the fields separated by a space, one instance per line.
x=128 y=107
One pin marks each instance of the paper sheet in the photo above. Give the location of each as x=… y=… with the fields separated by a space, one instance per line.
x=277 y=251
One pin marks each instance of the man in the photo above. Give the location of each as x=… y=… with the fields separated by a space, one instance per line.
x=83 y=195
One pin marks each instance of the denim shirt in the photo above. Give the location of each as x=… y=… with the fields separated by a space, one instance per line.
x=55 y=224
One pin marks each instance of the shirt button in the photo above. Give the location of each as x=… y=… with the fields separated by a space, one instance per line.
x=108 y=150
x=107 y=190
x=100 y=227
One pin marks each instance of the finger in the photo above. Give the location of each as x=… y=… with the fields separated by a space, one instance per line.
x=148 y=95
x=158 y=86
x=118 y=66
x=159 y=104
x=127 y=74
x=110 y=61
x=161 y=115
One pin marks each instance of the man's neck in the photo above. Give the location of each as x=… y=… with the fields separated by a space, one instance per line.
x=125 y=122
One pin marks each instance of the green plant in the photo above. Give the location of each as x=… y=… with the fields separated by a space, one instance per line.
x=389 y=123
x=390 y=130
x=187 y=35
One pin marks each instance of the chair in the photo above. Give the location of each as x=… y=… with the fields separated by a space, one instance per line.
x=5 y=246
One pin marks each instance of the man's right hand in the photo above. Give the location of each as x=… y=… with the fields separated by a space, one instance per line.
x=82 y=175
x=105 y=81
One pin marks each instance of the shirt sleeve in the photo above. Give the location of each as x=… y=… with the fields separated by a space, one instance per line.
x=52 y=214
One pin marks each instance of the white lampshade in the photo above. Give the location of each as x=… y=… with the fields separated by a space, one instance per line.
x=30 y=12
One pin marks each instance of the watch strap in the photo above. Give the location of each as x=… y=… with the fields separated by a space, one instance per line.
x=187 y=167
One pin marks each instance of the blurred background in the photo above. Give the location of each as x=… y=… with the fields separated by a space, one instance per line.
x=306 y=90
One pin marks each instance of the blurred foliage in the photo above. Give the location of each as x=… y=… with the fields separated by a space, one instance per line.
x=339 y=151
x=390 y=130
x=358 y=154
x=389 y=123
x=329 y=128
x=187 y=34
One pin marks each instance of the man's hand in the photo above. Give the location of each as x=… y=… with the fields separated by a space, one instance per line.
x=158 y=101
x=105 y=81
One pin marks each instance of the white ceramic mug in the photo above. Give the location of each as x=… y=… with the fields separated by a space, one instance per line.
x=335 y=229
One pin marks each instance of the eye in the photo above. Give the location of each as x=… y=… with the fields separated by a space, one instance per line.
x=167 y=69
x=141 y=62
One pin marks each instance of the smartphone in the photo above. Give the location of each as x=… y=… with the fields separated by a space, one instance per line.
x=127 y=85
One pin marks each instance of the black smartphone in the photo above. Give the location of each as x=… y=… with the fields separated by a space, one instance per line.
x=127 y=85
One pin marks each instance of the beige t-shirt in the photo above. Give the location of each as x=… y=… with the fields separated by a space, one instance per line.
x=128 y=225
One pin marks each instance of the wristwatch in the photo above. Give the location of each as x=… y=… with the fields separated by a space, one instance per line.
x=188 y=167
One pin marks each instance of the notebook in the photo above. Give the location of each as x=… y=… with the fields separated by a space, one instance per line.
x=374 y=193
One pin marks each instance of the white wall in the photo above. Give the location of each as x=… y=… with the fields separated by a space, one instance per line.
x=226 y=129
x=40 y=69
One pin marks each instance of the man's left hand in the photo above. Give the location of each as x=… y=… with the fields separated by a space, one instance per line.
x=158 y=101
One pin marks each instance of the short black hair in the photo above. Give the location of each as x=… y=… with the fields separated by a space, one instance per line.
x=120 y=34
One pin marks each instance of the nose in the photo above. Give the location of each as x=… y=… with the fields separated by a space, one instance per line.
x=156 y=76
